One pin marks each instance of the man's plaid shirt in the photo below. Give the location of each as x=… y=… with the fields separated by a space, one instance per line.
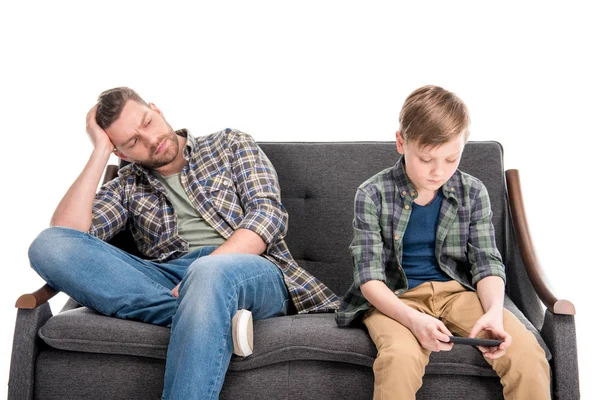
x=465 y=246
x=232 y=184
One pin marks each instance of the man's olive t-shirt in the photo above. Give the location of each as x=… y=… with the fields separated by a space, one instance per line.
x=191 y=226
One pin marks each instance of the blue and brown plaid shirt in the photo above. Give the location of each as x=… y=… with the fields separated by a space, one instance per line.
x=232 y=184
x=465 y=245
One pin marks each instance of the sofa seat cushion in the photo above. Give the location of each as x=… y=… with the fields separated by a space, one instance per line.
x=85 y=330
x=281 y=339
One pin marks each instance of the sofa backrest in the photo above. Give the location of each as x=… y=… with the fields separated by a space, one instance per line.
x=318 y=183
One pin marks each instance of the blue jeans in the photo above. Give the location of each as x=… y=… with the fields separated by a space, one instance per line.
x=115 y=283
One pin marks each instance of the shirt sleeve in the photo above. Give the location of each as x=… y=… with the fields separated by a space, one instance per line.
x=258 y=189
x=109 y=215
x=367 y=245
x=484 y=257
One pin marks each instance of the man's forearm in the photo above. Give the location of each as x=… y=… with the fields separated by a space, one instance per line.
x=75 y=209
x=242 y=241
x=491 y=293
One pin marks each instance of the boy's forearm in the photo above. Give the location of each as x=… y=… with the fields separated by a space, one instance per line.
x=75 y=209
x=491 y=293
x=382 y=298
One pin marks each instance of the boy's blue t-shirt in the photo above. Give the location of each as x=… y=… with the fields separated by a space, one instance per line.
x=418 y=245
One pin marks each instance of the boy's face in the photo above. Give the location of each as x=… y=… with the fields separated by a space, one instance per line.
x=428 y=168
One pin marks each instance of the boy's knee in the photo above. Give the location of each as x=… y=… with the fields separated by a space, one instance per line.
x=525 y=357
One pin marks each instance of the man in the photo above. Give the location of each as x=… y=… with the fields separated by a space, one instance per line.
x=207 y=217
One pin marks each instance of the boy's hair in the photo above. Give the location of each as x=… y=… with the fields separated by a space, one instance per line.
x=432 y=116
x=111 y=103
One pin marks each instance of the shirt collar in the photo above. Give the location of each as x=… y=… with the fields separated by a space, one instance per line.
x=451 y=186
x=407 y=189
x=404 y=185
x=190 y=144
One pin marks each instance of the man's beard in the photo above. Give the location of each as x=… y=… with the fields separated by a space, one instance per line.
x=170 y=153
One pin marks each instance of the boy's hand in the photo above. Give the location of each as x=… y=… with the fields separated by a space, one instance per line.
x=492 y=323
x=97 y=135
x=430 y=332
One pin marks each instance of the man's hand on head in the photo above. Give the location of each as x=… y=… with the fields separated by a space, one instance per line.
x=97 y=135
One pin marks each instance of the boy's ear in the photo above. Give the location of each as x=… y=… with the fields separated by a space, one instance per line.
x=399 y=142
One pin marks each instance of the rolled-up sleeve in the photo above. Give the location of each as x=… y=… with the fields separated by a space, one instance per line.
x=484 y=257
x=258 y=189
x=367 y=245
x=109 y=215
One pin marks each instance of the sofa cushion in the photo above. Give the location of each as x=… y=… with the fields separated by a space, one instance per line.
x=82 y=329
x=294 y=337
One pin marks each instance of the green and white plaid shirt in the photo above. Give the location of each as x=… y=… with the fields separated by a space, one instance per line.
x=233 y=185
x=465 y=246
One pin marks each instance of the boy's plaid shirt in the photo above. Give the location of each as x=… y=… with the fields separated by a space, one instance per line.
x=233 y=185
x=465 y=245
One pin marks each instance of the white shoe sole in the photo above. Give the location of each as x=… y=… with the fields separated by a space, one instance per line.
x=242 y=333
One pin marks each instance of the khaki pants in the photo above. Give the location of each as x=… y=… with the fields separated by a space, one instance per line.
x=401 y=361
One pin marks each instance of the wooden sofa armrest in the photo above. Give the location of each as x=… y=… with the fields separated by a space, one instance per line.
x=532 y=266
x=34 y=300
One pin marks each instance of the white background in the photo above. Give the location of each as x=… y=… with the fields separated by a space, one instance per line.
x=310 y=71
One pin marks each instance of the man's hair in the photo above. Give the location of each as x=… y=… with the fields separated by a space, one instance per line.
x=111 y=103
x=432 y=116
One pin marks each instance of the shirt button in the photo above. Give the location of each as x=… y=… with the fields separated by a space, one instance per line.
x=396 y=292
x=396 y=237
x=403 y=193
x=407 y=207
x=452 y=189
x=412 y=194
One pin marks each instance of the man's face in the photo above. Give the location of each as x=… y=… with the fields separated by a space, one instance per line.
x=142 y=135
x=428 y=168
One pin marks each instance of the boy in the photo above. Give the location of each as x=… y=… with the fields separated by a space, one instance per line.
x=426 y=263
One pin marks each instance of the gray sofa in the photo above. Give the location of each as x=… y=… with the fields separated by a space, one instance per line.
x=79 y=354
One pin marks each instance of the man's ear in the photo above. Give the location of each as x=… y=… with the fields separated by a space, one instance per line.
x=121 y=155
x=399 y=142
x=154 y=108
